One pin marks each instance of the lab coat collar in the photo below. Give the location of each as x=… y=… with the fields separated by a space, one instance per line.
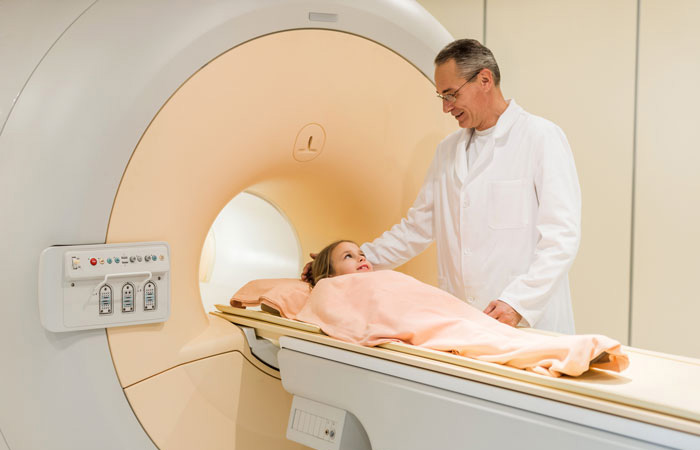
x=503 y=125
x=507 y=119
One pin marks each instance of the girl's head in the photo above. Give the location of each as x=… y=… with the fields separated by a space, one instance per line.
x=339 y=258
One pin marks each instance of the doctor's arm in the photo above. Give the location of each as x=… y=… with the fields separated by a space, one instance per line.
x=559 y=227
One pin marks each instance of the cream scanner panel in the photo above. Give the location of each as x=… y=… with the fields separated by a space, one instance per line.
x=234 y=126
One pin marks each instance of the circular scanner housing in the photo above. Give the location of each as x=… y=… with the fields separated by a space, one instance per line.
x=234 y=126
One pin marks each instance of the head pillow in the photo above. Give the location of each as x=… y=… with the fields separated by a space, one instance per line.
x=286 y=295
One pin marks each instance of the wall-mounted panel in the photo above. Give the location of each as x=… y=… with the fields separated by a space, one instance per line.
x=666 y=303
x=574 y=64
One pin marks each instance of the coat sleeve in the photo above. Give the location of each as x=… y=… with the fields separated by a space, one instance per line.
x=558 y=225
x=413 y=234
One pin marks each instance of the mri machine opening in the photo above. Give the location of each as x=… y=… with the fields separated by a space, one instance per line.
x=250 y=238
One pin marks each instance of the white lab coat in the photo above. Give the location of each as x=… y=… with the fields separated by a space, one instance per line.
x=507 y=229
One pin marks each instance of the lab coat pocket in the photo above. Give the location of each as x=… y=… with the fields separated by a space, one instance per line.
x=507 y=205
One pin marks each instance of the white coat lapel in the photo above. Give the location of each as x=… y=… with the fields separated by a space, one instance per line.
x=504 y=124
x=482 y=163
x=460 y=156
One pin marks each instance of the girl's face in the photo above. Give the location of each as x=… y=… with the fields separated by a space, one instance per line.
x=347 y=257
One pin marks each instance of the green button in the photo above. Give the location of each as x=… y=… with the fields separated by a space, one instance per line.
x=109 y=260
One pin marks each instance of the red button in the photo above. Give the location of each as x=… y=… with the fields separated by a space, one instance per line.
x=93 y=261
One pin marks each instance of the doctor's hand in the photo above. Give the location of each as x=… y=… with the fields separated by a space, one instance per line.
x=306 y=271
x=503 y=312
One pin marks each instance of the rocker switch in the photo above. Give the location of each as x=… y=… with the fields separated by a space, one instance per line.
x=106 y=299
x=149 y=296
x=128 y=297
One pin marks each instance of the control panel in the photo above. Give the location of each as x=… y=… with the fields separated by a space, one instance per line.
x=325 y=427
x=104 y=285
x=315 y=425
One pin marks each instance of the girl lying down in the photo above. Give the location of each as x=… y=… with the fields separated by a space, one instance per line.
x=351 y=302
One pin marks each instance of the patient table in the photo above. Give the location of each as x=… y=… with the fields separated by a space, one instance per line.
x=398 y=396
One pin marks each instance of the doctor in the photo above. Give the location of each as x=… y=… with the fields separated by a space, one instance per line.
x=501 y=199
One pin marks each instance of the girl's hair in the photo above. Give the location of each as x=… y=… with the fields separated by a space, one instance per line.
x=321 y=267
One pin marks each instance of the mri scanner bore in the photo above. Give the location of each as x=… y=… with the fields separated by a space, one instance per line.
x=250 y=238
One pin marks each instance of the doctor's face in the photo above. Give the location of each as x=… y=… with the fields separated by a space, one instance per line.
x=347 y=257
x=463 y=98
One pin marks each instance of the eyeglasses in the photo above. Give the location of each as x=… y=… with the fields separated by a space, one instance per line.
x=451 y=98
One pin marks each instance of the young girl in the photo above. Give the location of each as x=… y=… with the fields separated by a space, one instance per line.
x=369 y=308
x=339 y=258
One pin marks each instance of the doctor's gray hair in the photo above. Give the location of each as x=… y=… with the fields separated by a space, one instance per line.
x=470 y=57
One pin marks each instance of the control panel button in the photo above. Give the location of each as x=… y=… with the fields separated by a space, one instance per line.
x=128 y=298
x=105 y=299
x=76 y=263
x=116 y=260
x=109 y=260
x=149 y=296
x=132 y=259
x=139 y=259
x=93 y=261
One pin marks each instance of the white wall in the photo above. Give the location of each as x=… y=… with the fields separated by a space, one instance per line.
x=665 y=298
x=576 y=64
x=462 y=18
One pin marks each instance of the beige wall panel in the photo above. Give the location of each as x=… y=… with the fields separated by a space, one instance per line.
x=222 y=402
x=462 y=18
x=573 y=63
x=666 y=303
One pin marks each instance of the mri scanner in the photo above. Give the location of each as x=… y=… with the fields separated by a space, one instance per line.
x=127 y=121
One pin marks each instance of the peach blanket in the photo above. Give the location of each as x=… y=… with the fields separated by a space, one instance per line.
x=384 y=306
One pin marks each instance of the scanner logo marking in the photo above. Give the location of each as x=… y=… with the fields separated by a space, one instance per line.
x=309 y=142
